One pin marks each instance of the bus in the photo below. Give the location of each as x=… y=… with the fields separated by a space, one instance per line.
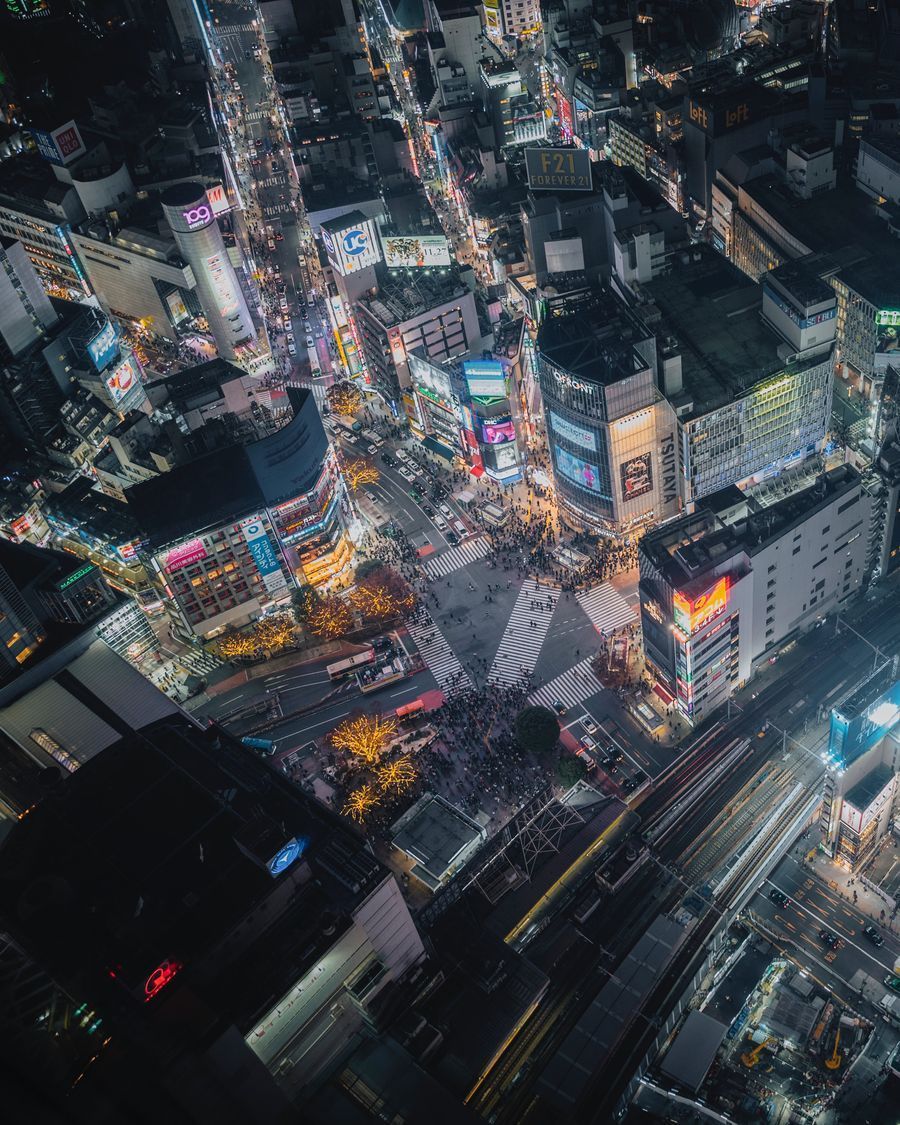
x=494 y=515
x=407 y=709
x=342 y=668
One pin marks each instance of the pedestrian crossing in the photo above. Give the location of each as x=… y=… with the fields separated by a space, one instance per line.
x=198 y=661
x=570 y=687
x=438 y=655
x=273 y=212
x=522 y=641
x=273 y=181
x=469 y=551
x=606 y=608
x=256 y=115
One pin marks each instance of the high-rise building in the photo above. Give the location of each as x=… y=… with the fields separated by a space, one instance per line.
x=723 y=589
x=196 y=230
x=25 y=310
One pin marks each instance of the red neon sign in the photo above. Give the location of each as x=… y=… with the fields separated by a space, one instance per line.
x=160 y=977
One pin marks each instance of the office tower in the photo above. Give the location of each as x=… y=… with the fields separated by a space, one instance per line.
x=25 y=309
x=197 y=234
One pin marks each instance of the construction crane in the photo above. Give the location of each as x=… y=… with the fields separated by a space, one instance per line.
x=834 y=1060
x=751 y=1058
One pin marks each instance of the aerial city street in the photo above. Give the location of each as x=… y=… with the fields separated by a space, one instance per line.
x=450 y=561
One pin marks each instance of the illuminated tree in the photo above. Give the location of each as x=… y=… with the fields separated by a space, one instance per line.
x=330 y=617
x=233 y=645
x=360 y=802
x=275 y=632
x=382 y=595
x=396 y=776
x=344 y=398
x=359 y=472
x=364 y=736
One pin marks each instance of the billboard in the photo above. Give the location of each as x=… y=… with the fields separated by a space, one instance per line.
x=636 y=476
x=485 y=378
x=104 y=346
x=353 y=247
x=887 y=335
x=123 y=379
x=575 y=434
x=414 y=251
x=496 y=431
x=558 y=169
x=859 y=721
x=691 y=616
x=583 y=473
x=185 y=554
x=264 y=556
x=60 y=146
x=218 y=268
x=218 y=200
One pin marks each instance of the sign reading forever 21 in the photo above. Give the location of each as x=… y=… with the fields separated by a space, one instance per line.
x=558 y=169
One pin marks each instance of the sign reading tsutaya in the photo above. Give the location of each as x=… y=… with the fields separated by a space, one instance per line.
x=558 y=169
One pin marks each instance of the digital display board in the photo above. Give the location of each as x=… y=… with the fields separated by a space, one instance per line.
x=636 y=476
x=104 y=346
x=691 y=616
x=185 y=554
x=352 y=247
x=485 y=378
x=416 y=251
x=218 y=200
x=497 y=430
x=865 y=716
x=558 y=169
x=887 y=333
x=582 y=473
x=219 y=269
x=123 y=379
x=572 y=433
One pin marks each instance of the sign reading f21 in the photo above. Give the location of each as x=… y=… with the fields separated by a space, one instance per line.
x=558 y=169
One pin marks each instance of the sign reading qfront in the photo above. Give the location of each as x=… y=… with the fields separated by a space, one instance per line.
x=558 y=169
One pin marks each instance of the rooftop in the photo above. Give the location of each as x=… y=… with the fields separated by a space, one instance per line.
x=864 y=792
x=692 y=1053
x=597 y=343
x=713 y=311
x=434 y=836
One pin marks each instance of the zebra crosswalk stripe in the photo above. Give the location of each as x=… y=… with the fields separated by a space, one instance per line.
x=575 y=685
x=467 y=552
x=522 y=641
x=606 y=608
x=438 y=655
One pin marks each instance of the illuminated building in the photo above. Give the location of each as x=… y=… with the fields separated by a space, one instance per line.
x=723 y=589
x=260 y=942
x=612 y=436
x=193 y=223
x=233 y=531
x=748 y=368
x=863 y=766
x=26 y=313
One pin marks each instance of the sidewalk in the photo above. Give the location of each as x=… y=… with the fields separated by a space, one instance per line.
x=869 y=900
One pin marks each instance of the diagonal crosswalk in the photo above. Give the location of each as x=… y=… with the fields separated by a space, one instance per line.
x=524 y=635
x=606 y=608
x=575 y=685
x=467 y=552
x=438 y=655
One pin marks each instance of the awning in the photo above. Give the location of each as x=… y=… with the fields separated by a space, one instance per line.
x=665 y=696
x=476 y=471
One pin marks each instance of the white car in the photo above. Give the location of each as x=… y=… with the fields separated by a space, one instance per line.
x=440 y=523
x=370 y=449
x=588 y=743
x=292 y=351
x=351 y=439
x=402 y=455
x=460 y=528
x=446 y=512
x=406 y=474
x=310 y=342
x=589 y=725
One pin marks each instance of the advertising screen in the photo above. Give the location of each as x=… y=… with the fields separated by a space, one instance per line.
x=218 y=200
x=862 y=719
x=558 y=169
x=485 y=378
x=62 y=145
x=414 y=251
x=123 y=379
x=187 y=553
x=219 y=275
x=104 y=346
x=583 y=473
x=498 y=430
x=887 y=333
x=637 y=476
x=264 y=556
x=352 y=248
x=691 y=616
x=574 y=434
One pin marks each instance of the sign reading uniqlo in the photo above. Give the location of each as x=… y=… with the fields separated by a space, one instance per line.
x=67 y=141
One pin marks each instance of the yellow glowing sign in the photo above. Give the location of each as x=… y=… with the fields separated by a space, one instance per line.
x=692 y=616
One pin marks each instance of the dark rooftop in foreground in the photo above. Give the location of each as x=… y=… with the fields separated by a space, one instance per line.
x=596 y=343
x=865 y=791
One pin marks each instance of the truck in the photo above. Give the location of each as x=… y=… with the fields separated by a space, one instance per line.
x=889 y=1006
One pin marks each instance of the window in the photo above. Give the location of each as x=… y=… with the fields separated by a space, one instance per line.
x=826 y=529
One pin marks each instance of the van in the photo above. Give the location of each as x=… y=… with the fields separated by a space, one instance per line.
x=460 y=528
x=446 y=512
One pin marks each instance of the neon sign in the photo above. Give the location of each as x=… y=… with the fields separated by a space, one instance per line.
x=197 y=216
x=690 y=617
x=160 y=977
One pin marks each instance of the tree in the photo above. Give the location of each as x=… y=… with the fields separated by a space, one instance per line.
x=396 y=776
x=359 y=472
x=304 y=601
x=570 y=769
x=367 y=567
x=344 y=397
x=330 y=618
x=365 y=736
x=382 y=594
x=537 y=729
x=275 y=632
x=360 y=802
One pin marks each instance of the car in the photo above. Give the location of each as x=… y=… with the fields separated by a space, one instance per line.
x=615 y=753
x=351 y=439
x=587 y=741
x=292 y=350
x=874 y=935
x=451 y=537
x=609 y=764
x=630 y=784
x=830 y=939
x=426 y=508
x=289 y=336
x=559 y=707
x=439 y=522
x=402 y=455
x=460 y=528
x=310 y=342
x=892 y=983
x=779 y=898
x=371 y=450
x=414 y=494
x=371 y=496
x=388 y=459
x=589 y=725
x=406 y=474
